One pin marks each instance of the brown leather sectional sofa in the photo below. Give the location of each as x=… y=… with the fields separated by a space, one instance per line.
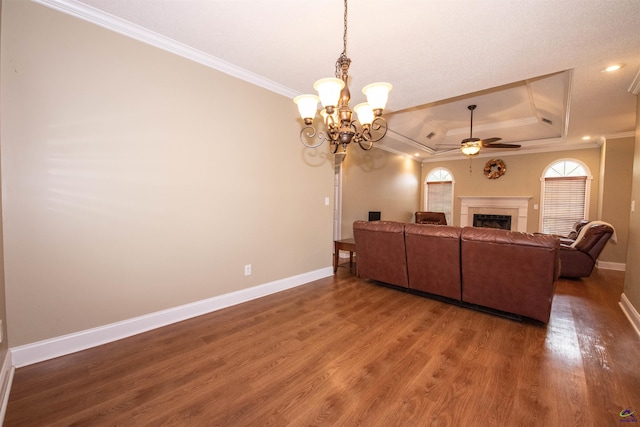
x=508 y=271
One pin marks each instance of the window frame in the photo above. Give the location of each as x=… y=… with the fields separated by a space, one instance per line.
x=588 y=178
x=451 y=181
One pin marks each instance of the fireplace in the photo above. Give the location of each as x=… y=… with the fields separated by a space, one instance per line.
x=514 y=206
x=502 y=222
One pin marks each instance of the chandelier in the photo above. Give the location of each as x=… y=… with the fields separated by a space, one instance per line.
x=341 y=128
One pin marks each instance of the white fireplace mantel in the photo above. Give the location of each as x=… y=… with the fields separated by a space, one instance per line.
x=517 y=207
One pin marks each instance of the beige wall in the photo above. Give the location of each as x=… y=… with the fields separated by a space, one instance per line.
x=3 y=308
x=377 y=180
x=632 y=274
x=522 y=178
x=615 y=197
x=135 y=180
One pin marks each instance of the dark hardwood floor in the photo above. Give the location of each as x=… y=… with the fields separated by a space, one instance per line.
x=341 y=351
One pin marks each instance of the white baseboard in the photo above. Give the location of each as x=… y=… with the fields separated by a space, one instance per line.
x=631 y=313
x=59 y=346
x=606 y=265
x=6 y=378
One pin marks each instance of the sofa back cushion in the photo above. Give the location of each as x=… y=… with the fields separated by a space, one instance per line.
x=509 y=270
x=433 y=259
x=380 y=251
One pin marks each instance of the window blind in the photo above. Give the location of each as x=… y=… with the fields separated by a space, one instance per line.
x=564 y=204
x=440 y=197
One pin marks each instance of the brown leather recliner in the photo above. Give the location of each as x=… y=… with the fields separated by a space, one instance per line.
x=579 y=261
x=381 y=251
x=435 y=218
x=573 y=234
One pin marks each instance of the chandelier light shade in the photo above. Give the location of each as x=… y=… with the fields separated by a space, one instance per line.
x=341 y=127
x=307 y=106
x=365 y=113
x=329 y=91
x=377 y=94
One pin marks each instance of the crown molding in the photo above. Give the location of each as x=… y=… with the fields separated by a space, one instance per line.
x=628 y=134
x=136 y=32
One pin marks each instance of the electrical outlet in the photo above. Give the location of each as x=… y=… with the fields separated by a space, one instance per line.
x=247 y=270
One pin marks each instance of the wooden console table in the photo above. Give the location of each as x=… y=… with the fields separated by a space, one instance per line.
x=344 y=245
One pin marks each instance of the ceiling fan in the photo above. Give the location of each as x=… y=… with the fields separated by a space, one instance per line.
x=471 y=146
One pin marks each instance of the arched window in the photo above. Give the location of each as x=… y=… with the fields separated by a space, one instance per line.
x=565 y=196
x=438 y=194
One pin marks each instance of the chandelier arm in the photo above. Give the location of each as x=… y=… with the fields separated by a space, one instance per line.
x=377 y=124
x=362 y=136
x=308 y=133
x=364 y=146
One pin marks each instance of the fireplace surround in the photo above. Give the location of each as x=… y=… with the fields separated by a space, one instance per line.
x=517 y=207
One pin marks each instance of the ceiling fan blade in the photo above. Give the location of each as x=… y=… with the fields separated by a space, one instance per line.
x=502 y=146
x=488 y=141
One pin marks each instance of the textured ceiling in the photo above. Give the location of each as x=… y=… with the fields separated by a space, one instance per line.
x=519 y=61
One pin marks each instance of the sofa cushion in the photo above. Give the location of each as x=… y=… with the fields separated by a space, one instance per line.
x=433 y=259
x=509 y=271
x=380 y=251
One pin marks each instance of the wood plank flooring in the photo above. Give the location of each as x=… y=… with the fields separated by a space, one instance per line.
x=345 y=352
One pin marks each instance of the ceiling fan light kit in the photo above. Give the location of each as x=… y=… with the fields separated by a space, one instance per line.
x=341 y=128
x=471 y=146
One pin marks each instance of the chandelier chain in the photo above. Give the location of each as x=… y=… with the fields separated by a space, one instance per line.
x=344 y=37
x=343 y=62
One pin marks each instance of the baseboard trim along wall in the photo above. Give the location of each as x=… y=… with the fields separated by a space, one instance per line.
x=632 y=314
x=6 y=378
x=59 y=346
x=606 y=265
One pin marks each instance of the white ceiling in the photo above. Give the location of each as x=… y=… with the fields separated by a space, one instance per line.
x=519 y=61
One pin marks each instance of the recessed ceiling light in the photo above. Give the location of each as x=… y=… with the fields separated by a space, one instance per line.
x=417 y=154
x=586 y=137
x=614 y=67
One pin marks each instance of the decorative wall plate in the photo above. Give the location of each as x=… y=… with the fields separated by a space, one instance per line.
x=494 y=168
